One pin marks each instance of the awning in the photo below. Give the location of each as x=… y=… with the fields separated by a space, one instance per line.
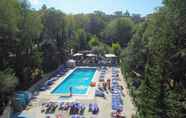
x=110 y=55
x=77 y=54
x=71 y=61
x=91 y=55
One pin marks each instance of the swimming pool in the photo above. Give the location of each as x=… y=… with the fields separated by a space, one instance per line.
x=79 y=80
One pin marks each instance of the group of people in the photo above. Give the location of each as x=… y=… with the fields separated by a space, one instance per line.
x=107 y=84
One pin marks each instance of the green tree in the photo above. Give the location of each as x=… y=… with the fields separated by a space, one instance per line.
x=160 y=86
x=93 y=41
x=53 y=38
x=95 y=25
x=116 y=48
x=28 y=36
x=135 y=54
x=8 y=82
x=119 y=30
x=9 y=20
x=82 y=40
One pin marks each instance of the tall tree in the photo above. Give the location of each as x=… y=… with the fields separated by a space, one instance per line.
x=119 y=30
x=30 y=27
x=9 y=20
x=54 y=36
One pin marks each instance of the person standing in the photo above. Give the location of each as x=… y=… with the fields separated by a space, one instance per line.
x=108 y=84
x=70 y=91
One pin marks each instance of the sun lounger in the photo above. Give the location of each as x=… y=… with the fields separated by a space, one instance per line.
x=48 y=82
x=75 y=116
x=83 y=107
x=115 y=75
x=116 y=91
x=117 y=107
x=116 y=79
x=104 y=68
x=53 y=79
x=50 y=107
x=99 y=93
x=101 y=88
x=77 y=108
x=115 y=72
x=101 y=79
x=61 y=106
x=93 y=108
x=102 y=73
x=117 y=99
x=115 y=82
x=90 y=108
x=102 y=76
x=43 y=88
x=66 y=106
x=115 y=85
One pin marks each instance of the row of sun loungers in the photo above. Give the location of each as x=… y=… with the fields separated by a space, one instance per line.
x=77 y=116
x=117 y=102
x=76 y=110
x=49 y=107
x=102 y=74
x=55 y=76
x=93 y=108
x=100 y=93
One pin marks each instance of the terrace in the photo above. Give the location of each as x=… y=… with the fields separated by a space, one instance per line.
x=108 y=98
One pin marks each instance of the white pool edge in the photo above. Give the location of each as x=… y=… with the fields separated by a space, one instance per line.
x=68 y=73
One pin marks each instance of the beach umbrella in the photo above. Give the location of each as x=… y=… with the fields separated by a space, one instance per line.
x=91 y=55
x=110 y=55
x=77 y=54
x=71 y=61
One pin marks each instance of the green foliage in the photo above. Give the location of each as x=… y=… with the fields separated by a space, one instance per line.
x=8 y=81
x=116 y=48
x=135 y=54
x=82 y=40
x=119 y=30
x=37 y=57
x=9 y=21
x=93 y=41
x=155 y=46
x=95 y=24
x=9 y=15
x=32 y=41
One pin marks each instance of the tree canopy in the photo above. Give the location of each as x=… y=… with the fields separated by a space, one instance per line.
x=157 y=51
x=35 y=42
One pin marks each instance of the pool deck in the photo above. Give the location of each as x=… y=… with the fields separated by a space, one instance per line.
x=89 y=95
x=34 y=111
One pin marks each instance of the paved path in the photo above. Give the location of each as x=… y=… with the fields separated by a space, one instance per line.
x=129 y=107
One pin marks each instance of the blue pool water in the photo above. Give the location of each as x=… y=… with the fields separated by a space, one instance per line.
x=79 y=80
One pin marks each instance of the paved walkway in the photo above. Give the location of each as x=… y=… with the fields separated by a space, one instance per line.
x=129 y=107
